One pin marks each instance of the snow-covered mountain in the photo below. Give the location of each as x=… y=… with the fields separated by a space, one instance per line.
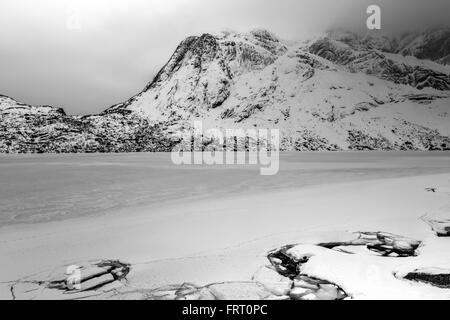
x=337 y=91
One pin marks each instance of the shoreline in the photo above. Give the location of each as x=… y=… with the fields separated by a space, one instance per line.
x=35 y=202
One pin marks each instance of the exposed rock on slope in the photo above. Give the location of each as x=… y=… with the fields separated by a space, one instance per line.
x=376 y=63
x=29 y=129
x=433 y=44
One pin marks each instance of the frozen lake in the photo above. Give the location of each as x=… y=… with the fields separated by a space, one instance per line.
x=39 y=188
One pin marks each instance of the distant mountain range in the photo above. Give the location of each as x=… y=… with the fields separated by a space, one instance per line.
x=337 y=91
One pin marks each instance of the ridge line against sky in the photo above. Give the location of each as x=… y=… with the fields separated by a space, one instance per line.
x=115 y=47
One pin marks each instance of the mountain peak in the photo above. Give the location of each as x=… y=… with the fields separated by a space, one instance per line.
x=264 y=35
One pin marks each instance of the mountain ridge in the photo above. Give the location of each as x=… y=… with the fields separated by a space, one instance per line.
x=338 y=91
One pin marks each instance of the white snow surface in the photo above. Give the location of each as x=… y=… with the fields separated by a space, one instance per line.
x=226 y=237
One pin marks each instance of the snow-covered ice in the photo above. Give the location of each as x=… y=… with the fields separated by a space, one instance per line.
x=216 y=225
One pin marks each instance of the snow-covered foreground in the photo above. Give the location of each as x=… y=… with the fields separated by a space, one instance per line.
x=222 y=240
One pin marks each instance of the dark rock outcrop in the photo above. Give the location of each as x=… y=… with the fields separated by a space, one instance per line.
x=434 y=44
x=433 y=276
x=376 y=63
x=440 y=225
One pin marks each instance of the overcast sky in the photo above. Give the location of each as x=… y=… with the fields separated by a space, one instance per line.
x=114 y=47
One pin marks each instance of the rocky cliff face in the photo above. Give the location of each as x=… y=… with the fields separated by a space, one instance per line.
x=381 y=65
x=339 y=91
x=433 y=44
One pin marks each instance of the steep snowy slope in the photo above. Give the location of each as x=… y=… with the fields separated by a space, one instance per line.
x=338 y=91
